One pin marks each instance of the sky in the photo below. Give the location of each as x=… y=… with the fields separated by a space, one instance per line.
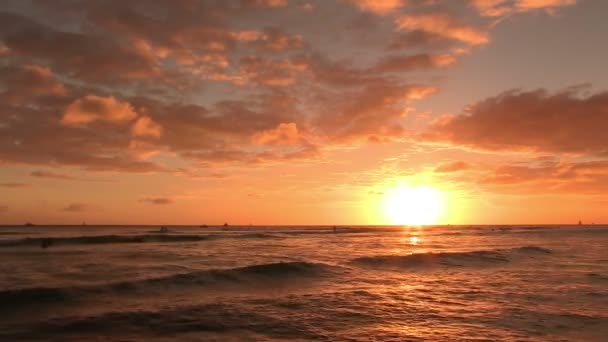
x=303 y=112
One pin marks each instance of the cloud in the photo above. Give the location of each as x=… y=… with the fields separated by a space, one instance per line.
x=266 y=3
x=494 y=8
x=53 y=175
x=283 y=134
x=273 y=39
x=422 y=39
x=445 y=25
x=157 y=200
x=75 y=207
x=307 y=7
x=369 y=111
x=536 y=175
x=92 y=57
x=14 y=185
x=562 y=122
x=269 y=72
x=146 y=127
x=27 y=82
x=543 y=4
x=452 y=167
x=61 y=176
x=413 y=62
x=380 y=7
x=95 y=108
x=111 y=84
x=582 y=177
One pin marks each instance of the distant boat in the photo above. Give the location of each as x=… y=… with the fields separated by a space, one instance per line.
x=203 y=226
x=225 y=224
x=29 y=224
x=580 y=222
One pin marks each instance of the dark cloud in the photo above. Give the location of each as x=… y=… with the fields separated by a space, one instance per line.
x=563 y=122
x=48 y=174
x=14 y=185
x=75 y=207
x=373 y=110
x=157 y=200
x=90 y=57
x=265 y=3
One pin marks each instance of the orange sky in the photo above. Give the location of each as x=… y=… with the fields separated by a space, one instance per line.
x=303 y=112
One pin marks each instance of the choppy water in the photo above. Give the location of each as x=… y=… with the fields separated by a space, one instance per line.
x=304 y=283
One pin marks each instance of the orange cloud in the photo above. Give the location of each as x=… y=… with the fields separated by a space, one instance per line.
x=445 y=25
x=92 y=108
x=452 y=167
x=283 y=134
x=536 y=4
x=381 y=7
x=582 y=177
x=413 y=62
x=146 y=127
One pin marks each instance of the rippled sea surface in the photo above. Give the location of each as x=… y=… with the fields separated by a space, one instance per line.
x=504 y=283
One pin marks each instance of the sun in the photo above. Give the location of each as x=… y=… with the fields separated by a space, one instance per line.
x=413 y=205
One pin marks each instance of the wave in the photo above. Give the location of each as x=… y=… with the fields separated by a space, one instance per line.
x=110 y=239
x=532 y=250
x=250 y=276
x=450 y=259
x=235 y=322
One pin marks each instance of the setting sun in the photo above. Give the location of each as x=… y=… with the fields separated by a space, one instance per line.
x=413 y=205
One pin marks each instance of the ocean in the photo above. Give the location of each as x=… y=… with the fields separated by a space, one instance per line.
x=256 y=283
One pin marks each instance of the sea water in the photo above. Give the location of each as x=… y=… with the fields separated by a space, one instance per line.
x=453 y=283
